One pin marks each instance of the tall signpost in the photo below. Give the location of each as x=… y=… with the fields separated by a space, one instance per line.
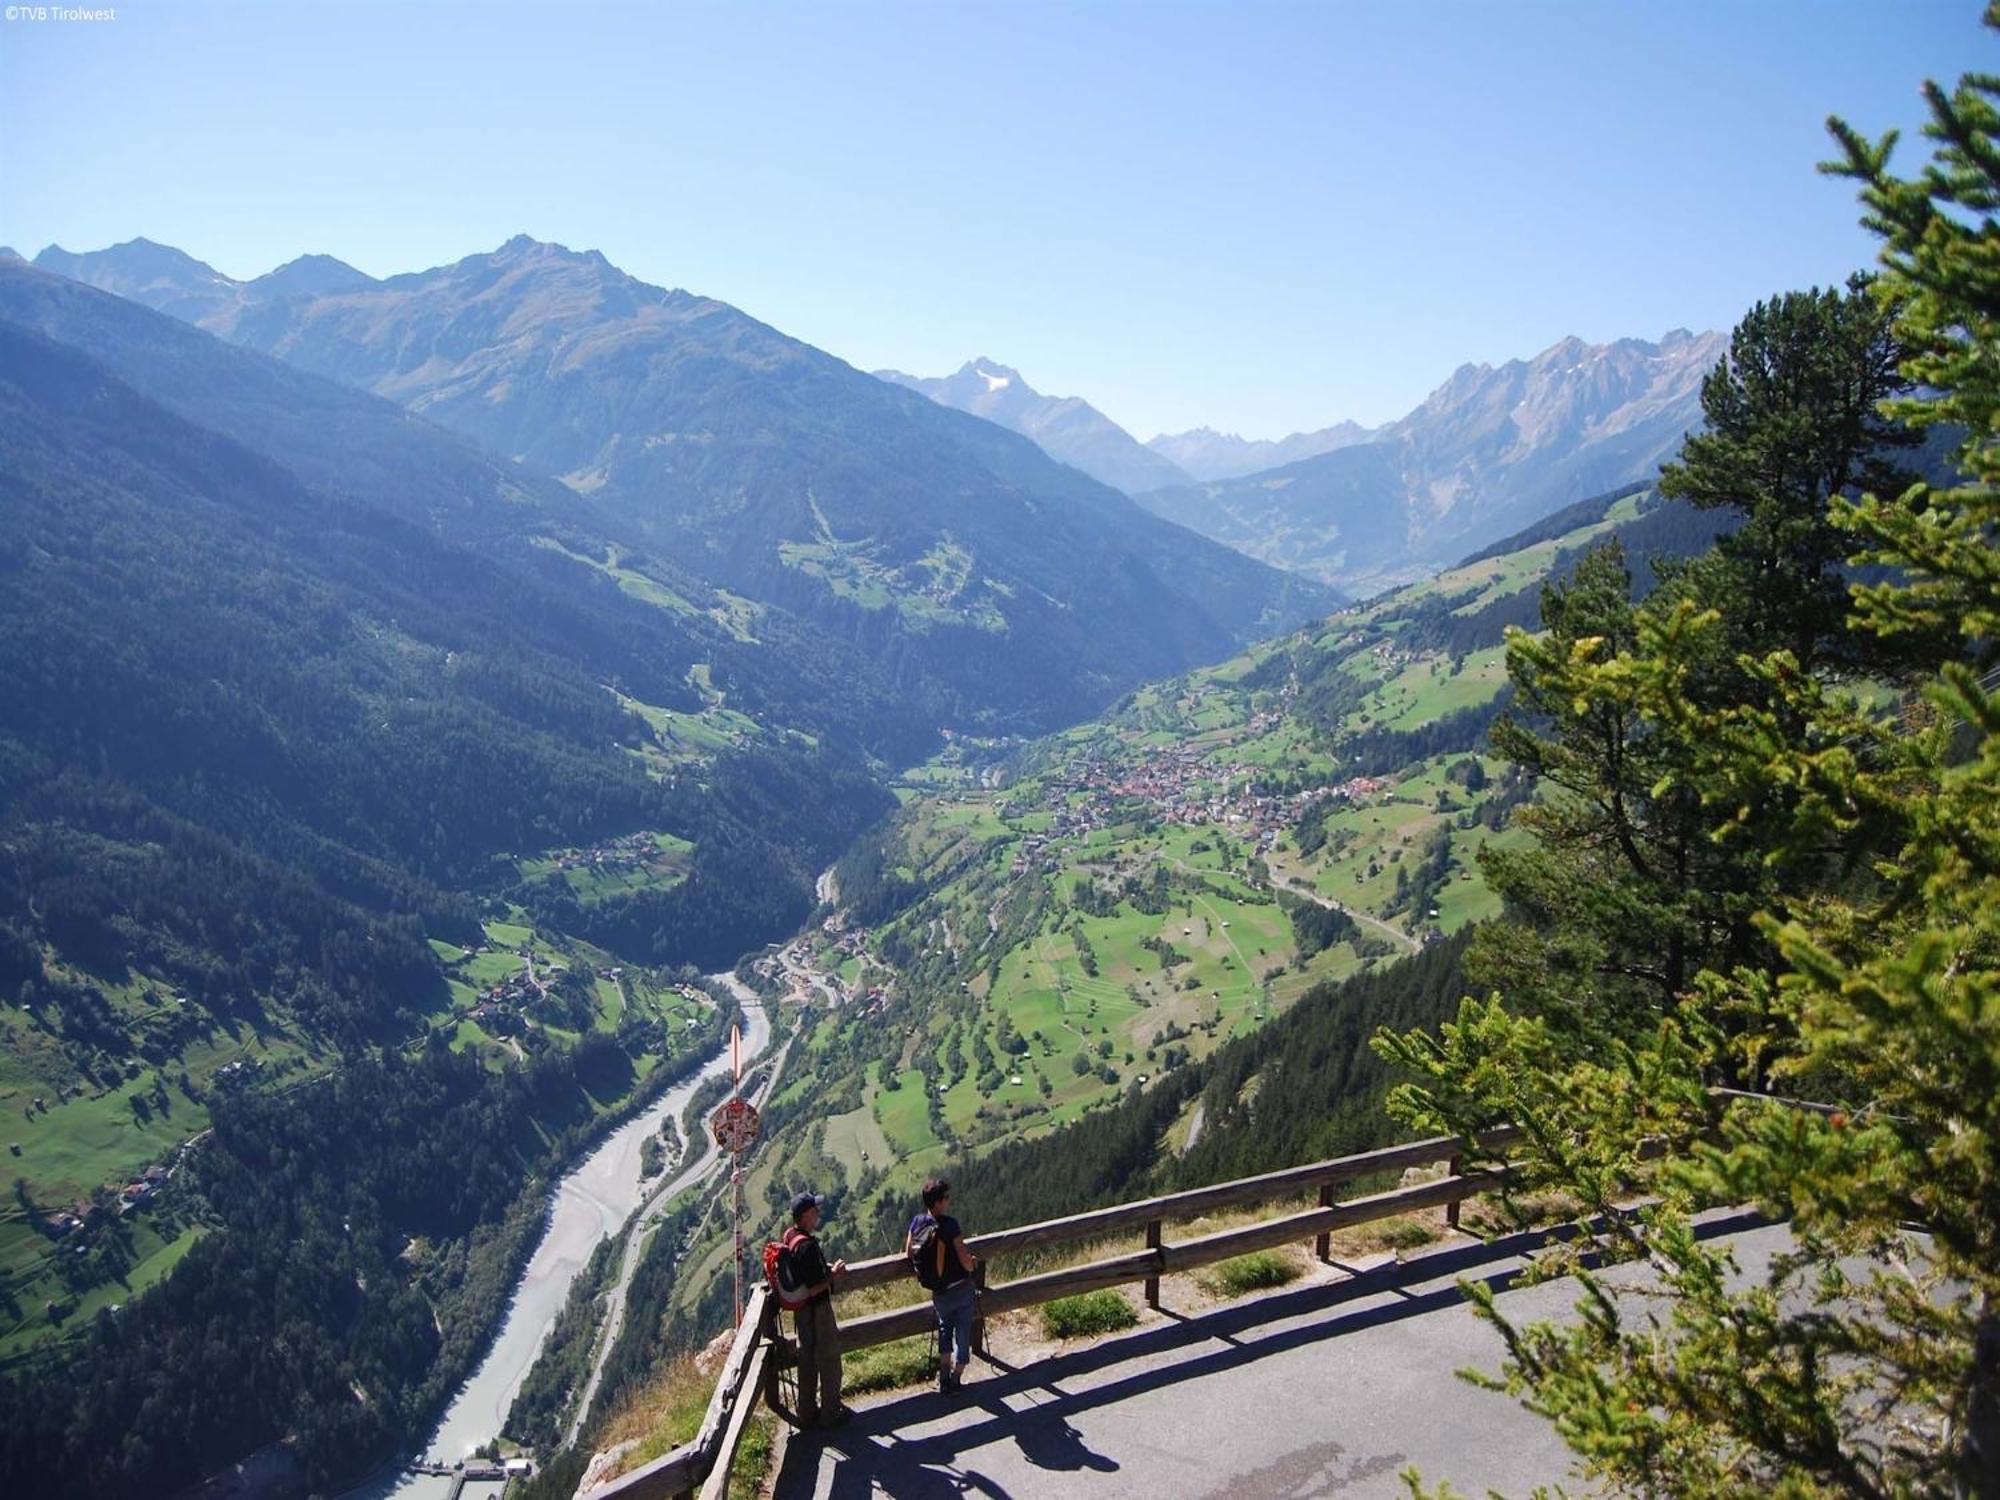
x=736 y=1126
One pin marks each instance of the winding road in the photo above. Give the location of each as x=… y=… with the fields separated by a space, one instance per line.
x=1395 y=935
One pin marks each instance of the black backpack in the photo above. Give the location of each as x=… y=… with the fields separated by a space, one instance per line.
x=927 y=1253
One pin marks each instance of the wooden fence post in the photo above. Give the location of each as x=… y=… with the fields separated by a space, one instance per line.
x=1452 y=1169
x=1323 y=1245
x=1153 y=1282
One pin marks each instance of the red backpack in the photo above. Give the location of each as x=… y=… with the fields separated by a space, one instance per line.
x=781 y=1271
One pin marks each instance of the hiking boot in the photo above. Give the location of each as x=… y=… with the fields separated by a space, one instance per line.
x=947 y=1382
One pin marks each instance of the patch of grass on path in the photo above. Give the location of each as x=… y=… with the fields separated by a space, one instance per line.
x=1086 y=1314
x=1255 y=1272
x=888 y=1367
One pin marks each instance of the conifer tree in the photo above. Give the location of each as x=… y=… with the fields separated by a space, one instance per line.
x=1865 y=1360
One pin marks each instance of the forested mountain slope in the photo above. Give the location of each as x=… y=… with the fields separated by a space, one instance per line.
x=342 y=756
x=297 y=794
x=1015 y=591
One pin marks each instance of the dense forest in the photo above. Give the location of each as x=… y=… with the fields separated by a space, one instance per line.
x=199 y=644
x=267 y=743
x=365 y=1232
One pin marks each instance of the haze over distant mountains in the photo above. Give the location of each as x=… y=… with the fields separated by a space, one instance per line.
x=1204 y=454
x=776 y=470
x=1490 y=451
x=1005 y=588
x=1066 y=427
x=1071 y=429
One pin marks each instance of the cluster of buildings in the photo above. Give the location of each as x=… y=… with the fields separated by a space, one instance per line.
x=232 y=1074
x=140 y=1190
x=1177 y=785
x=504 y=1001
x=814 y=976
x=135 y=1194
x=630 y=851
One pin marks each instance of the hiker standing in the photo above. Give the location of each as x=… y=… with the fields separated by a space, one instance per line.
x=936 y=1248
x=819 y=1334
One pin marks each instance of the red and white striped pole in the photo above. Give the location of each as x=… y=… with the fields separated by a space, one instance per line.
x=736 y=1173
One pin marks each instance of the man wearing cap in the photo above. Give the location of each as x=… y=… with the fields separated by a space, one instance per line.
x=819 y=1334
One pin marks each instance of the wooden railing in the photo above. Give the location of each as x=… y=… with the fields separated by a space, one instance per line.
x=707 y=1460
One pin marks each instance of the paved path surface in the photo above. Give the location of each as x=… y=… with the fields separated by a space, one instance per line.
x=1329 y=1390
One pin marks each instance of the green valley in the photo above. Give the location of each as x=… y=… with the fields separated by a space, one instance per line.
x=1047 y=928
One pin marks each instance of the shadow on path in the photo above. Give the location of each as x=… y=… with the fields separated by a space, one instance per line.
x=871 y=1455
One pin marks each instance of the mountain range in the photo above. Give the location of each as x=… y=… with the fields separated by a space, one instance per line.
x=1011 y=577
x=1490 y=451
x=1007 y=590
x=1066 y=427
x=300 y=625
x=1071 y=429
x=1204 y=454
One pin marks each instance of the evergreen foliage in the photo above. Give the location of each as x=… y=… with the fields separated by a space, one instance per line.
x=1862 y=970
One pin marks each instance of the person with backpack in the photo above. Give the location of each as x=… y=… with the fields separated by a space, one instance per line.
x=802 y=1281
x=944 y=1267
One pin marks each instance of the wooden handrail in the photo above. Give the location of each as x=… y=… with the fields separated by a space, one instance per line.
x=713 y=1446
x=1165 y=1258
x=1191 y=1204
x=707 y=1460
x=717 y=1487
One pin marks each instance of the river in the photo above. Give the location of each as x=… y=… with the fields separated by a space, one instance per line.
x=592 y=1202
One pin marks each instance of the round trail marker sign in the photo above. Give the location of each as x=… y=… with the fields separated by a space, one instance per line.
x=736 y=1125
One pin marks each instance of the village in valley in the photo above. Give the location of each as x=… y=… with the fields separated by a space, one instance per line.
x=1178 y=784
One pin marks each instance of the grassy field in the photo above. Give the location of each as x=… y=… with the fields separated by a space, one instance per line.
x=680 y=737
x=936 y=589
x=736 y=615
x=1429 y=688
x=857 y=1138
x=654 y=860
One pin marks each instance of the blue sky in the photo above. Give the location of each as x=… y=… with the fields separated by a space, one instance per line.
x=1257 y=216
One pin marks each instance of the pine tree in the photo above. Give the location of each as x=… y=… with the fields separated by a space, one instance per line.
x=1792 y=419
x=1624 y=895
x=1866 y=1360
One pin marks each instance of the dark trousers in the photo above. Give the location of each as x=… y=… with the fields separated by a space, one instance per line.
x=819 y=1360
